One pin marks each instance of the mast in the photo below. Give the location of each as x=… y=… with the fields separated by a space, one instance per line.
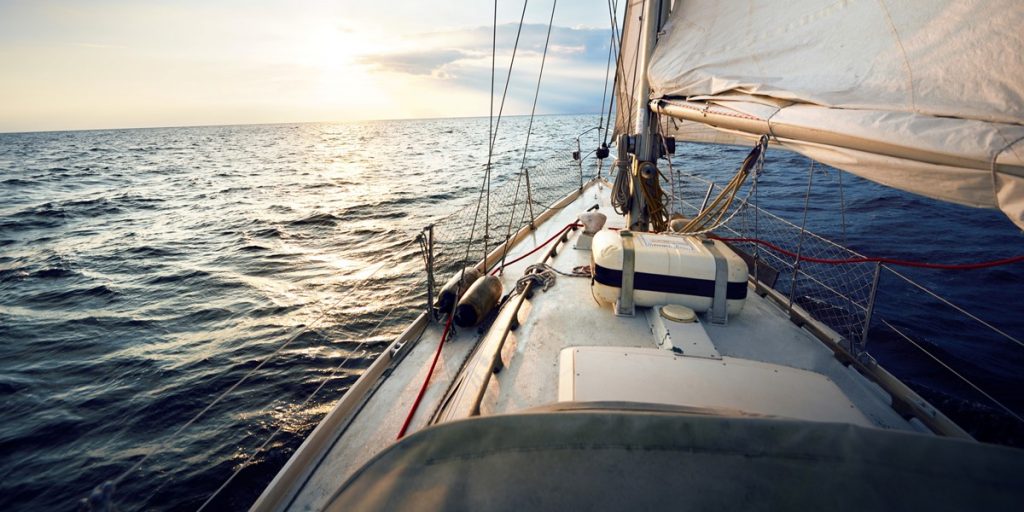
x=645 y=144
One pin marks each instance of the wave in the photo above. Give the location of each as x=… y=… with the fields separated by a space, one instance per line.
x=134 y=290
x=74 y=296
x=17 y=182
x=316 y=219
x=179 y=277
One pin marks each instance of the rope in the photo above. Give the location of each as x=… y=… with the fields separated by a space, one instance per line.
x=426 y=381
x=712 y=216
x=654 y=199
x=111 y=484
x=671 y=171
x=887 y=261
x=580 y=271
x=539 y=274
x=620 y=196
x=499 y=268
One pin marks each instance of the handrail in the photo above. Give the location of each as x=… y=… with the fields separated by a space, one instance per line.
x=856 y=346
x=954 y=306
x=953 y=371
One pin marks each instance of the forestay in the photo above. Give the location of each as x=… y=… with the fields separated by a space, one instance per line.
x=924 y=96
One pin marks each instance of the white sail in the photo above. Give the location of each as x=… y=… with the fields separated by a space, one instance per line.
x=626 y=69
x=924 y=96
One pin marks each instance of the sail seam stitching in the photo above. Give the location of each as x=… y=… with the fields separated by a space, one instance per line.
x=903 y=52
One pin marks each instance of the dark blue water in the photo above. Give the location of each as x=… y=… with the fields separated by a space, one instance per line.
x=142 y=272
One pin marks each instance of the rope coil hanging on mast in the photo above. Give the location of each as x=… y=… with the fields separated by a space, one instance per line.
x=713 y=216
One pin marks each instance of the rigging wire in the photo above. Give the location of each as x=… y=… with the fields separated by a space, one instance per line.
x=962 y=311
x=613 y=8
x=954 y=372
x=497 y=122
x=526 y=145
x=491 y=133
x=508 y=77
x=636 y=65
x=110 y=484
x=260 y=448
x=842 y=206
x=604 y=90
x=875 y=259
x=712 y=216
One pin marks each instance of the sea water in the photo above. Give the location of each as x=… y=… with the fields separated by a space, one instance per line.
x=143 y=272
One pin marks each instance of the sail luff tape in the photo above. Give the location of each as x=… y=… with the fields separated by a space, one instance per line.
x=719 y=309
x=624 y=306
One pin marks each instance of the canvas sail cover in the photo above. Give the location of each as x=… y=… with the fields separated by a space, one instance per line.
x=625 y=458
x=925 y=96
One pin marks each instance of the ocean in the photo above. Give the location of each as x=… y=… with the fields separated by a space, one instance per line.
x=143 y=272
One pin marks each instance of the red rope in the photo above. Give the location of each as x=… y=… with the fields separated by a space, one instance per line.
x=890 y=261
x=535 y=249
x=447 y=329
x=426 y=382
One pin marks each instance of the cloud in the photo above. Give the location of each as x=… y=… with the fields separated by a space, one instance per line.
x=432 y=51
x=590 y=43
x=430 y=62
x=573 y=74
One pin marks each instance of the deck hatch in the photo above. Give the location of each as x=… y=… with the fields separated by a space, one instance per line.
x=647 y=375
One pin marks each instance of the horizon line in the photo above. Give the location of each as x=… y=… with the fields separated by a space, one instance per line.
x=70 y=130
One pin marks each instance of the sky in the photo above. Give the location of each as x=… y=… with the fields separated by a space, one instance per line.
x=68 y=65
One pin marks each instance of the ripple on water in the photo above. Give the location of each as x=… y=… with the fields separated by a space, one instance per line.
x=143 y=272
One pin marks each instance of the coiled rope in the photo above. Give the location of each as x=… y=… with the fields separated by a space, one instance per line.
x=540 y=274
x=712 y=216
x=654 y=199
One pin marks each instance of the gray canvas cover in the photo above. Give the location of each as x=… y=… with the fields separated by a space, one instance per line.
x=639 y=460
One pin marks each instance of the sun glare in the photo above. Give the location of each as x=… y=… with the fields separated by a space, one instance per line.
x=341 y=81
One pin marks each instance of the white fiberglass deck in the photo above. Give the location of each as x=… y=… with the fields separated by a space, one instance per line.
x=565 y=316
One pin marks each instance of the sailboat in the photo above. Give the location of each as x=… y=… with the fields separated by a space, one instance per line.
x=616 y=352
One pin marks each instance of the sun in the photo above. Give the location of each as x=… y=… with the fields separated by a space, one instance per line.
x=338 y=65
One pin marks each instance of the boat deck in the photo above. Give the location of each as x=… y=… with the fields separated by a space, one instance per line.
x=758 y=344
